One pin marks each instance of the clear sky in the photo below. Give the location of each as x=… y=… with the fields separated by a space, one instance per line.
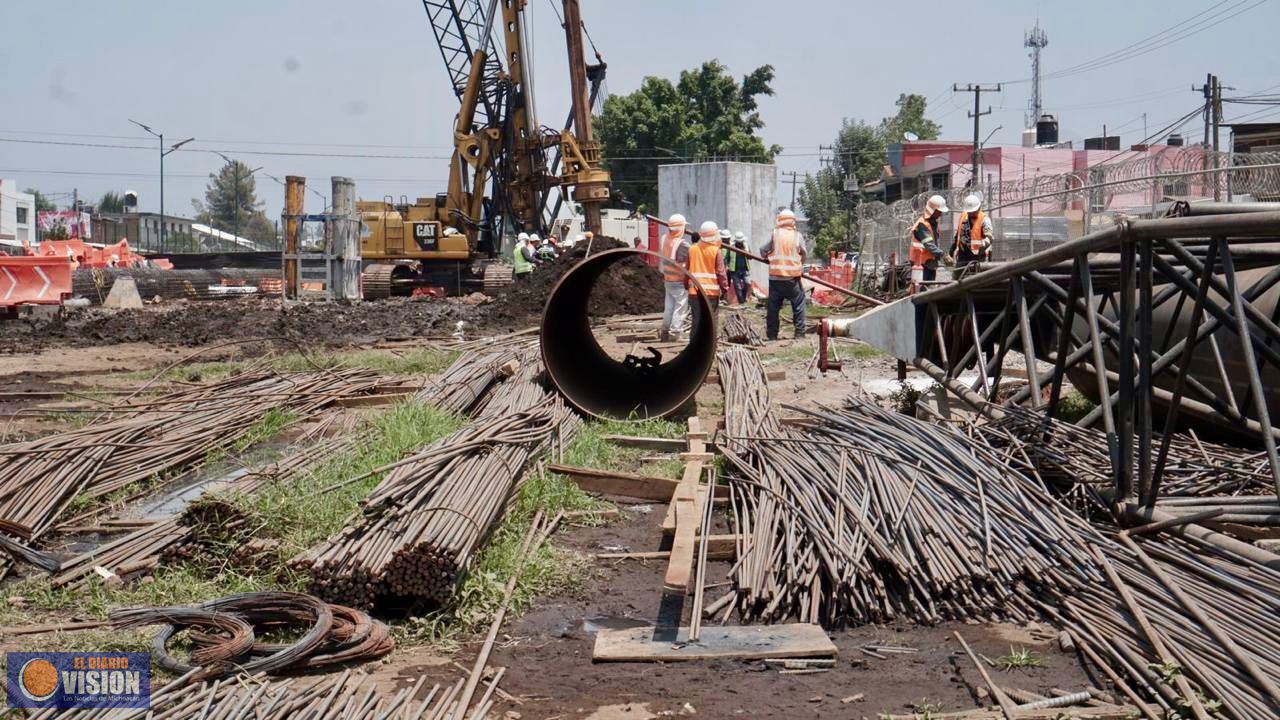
x=278 y=82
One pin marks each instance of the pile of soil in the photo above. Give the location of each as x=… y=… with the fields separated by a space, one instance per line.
x=200 y=323
x=630 y=287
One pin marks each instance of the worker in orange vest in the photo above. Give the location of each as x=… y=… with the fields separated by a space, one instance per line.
x=923 y=236
x=785 y=252
x=973 y=235
x=706 y=265
x=675 y=256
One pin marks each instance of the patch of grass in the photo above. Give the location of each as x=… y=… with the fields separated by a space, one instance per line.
x=264 y=428
x=299 y=514
x=417 y=361
x=1073 y=406
x=863 y=351
x=1020 y=658
x=589 y=447
x=174 y=584
x=550 y=570
x=786 y=355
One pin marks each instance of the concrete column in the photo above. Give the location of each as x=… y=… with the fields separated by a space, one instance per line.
x=345 y=240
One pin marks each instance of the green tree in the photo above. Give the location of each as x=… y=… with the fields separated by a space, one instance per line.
x=43 y=204
x=859 y=154
x=706 y=114
x=111 y=202
x=231 y=204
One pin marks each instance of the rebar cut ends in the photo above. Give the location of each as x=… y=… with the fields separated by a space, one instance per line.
x=599 y=385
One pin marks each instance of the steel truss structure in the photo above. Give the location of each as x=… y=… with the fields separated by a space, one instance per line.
x=1165 y=321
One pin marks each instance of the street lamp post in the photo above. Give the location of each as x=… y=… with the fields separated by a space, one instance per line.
x=163 y=152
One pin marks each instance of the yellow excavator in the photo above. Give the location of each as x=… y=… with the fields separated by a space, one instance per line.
x=451 y=243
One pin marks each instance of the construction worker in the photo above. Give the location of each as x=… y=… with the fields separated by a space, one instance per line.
x=785 y=252
x=925 y=252
x=675 y=254
x=546 y=253
x=706 y=265
x=522 y=257
x=738 y=269
x=973 y=235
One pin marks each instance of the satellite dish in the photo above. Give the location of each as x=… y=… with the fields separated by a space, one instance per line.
x=910 y=136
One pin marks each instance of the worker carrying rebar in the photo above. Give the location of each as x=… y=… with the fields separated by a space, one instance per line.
x=785 y=252
x=706 y=265
x=737 y=264
x=973 y=235
x=675 y=256
x=925 y=251
x=522 y=257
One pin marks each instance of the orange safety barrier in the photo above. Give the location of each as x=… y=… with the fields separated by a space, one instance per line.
x=34 y=280
x=115 y=255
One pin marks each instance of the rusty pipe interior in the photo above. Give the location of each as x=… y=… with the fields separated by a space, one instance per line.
x=600 y=385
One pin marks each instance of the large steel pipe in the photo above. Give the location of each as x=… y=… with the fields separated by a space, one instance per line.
x=600 y=385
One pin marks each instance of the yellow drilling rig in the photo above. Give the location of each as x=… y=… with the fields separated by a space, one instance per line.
x=453 y=240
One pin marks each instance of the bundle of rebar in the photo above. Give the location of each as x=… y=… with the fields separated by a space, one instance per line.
x=148 y=439
x=864 y=515
x=735 y=329
x=94 y=284
x=186 y=536
x=1067 y=454
x=346 y=696
x=463 y=387
x=421 y=526
x=862 y=518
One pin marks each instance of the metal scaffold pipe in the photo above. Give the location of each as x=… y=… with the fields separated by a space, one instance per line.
x=597 y=384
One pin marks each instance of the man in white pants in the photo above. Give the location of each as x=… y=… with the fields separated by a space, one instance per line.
x=675 y=252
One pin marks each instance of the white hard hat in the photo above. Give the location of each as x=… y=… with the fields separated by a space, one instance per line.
x=524 y=236
x=709 y=229
x=972 y=203
x=938 y=203
x=725 y=234
x=676 y=219
x=786 y=214
x=533 y=237
x=739 y=236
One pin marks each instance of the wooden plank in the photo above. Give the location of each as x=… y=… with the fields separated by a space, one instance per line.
x=702 y=457
x=371 y=400
x=687 y=512
x=642 y=338
x=647 y=443
x=743 y=642
x=610 y=482
x=692 y=474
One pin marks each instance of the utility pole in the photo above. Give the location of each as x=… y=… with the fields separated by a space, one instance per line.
x=1207 y=91
x=1217 y=125
x=794 y=179
x=976 y=114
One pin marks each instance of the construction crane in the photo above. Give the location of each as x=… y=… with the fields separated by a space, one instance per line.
x=450 y=241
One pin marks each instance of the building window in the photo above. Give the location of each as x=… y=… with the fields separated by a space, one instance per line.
x=22 y=215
